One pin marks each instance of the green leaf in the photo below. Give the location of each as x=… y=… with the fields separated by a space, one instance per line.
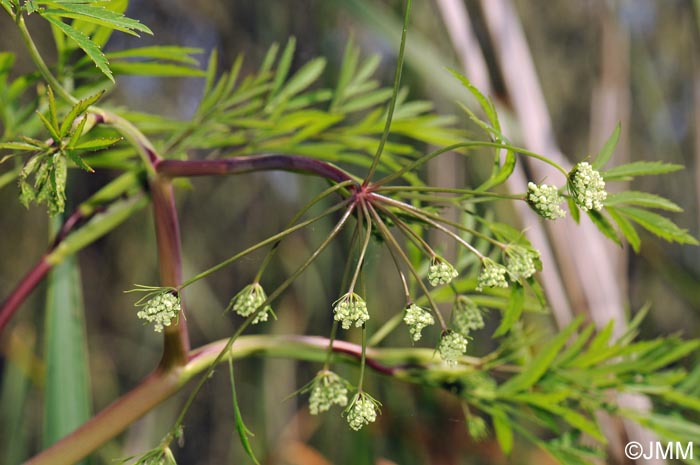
x=18 y=146
x=604 y=226
x=484 y=102
x=139 y=68
x=573 y=208
x=160 y=52
x=241 y=428
x=91 y=49
x=642 y=199
x=539 y=365
x=504 y=433
x=67 y=386
x=658 y=225
x=53 y=130
x=283 y=67
x=96 y=15
x=639 y=168
x=77 y=110
x=626 y=228
x=53 y=115
x=515 y=307
x=97 y=144
x=302 y=79
x=606 y=152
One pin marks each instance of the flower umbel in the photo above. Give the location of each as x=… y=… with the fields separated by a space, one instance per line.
x=521 y=261
x=545 y=200
x=441 y=272
x=327 y=388
x=417 y=318
x=160 y=310
x=350 y=309
x=587 y=187
x=452 y=346
x=248 y=300
x=492 y=275
x=362 y=410
x=466 y=316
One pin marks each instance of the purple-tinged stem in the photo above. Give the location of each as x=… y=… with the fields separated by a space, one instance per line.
x=23 y=289
x=247 y=164
x=176 y=338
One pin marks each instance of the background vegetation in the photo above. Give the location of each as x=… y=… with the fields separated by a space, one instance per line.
x=598 y=62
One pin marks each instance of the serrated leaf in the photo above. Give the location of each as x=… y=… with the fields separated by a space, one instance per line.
x=53 y=114
x=77 y=133
x=604 y=226
x=77 y=110
x=53 y=130
x=642 y=199
x=91 y=49
x=18 y=146
x=639 y=168
x=608 y=148
x=516 y=303
x=658 y=225
x=97 y=15
x=138 y=68
x=626 y=228
x=97 y=144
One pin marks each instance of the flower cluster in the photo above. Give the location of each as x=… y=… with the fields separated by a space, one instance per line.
x=545 y=200
x=587 y=187
x=492 y=275
x=160 y=310
x=350 y=309
x=441 y=272
x=362 y=411
x=248 y=300
x=521 y=261
x=452 y=346
x=466 y=316
x=327 y=389
x=417 y=318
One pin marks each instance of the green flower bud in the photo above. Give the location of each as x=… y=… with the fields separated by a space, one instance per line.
x=441 y=272
x=521 y=262
x=587 y=187
x=248 y=300
x=492 y=275
x=417 y=318
x=350 y=309
x=452 y=346
x=362 y=410
x=466 y=316
x=160 y=310
x=545 y=200
x=327 y=389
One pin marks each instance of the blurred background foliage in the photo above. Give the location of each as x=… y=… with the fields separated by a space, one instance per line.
x=655 y=82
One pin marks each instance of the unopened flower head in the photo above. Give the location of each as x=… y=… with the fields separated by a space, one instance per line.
x=492 y=275
x=452 y=346
x=466 y=316
x=417 y=318
x=521 y=261
x=160 y=310
x=545 y=200
x=362 y=411
x=587 y=187
x=350 y=309
x=441 y=272
x=248 y=300
x=327 y=389
x=477 y=428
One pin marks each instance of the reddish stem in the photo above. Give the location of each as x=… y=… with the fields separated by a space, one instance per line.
x=23 y=289
x=176 y=338
x=246 y=164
